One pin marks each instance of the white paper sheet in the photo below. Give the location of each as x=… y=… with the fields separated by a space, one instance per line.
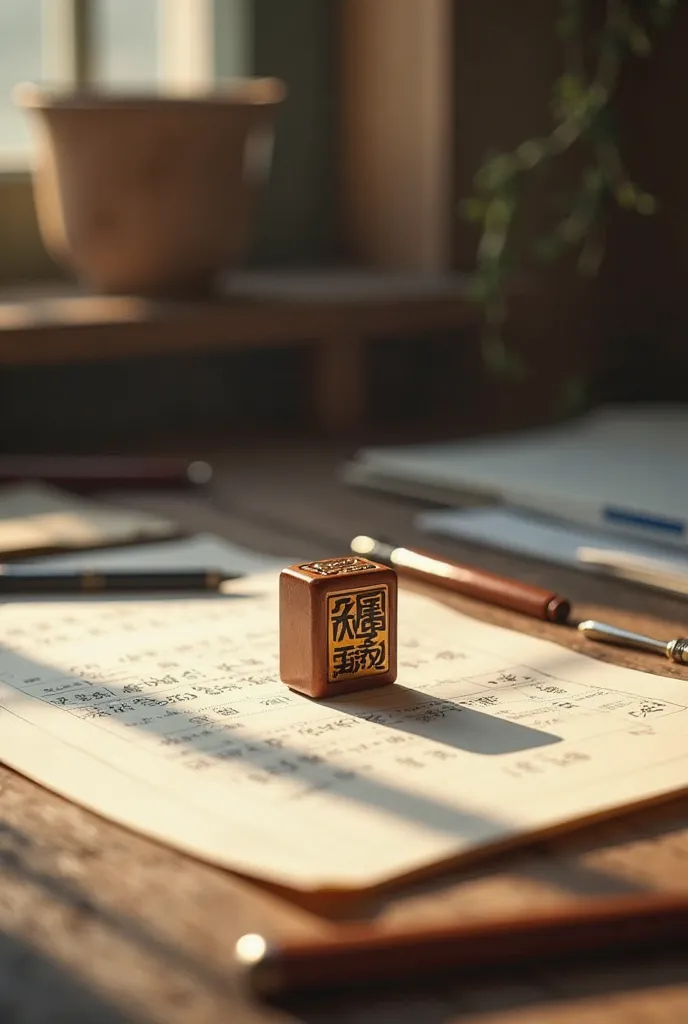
x=37 y=516
x=168 y=716
x=537 y=537
x=613 y=469
x=200 y=552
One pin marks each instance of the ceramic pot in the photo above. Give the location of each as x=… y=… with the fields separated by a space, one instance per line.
x=150 y=194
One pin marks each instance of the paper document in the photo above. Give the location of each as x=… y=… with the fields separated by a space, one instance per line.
x=614 y=469
x=168 y=716
x=516 y=531
x=38 y=517
x=200 y=552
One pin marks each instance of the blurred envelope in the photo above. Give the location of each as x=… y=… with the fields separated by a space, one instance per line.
x=37 y=518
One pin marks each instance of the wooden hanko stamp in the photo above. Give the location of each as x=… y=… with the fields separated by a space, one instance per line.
x=338 y=626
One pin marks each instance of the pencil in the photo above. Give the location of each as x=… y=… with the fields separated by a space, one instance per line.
x=96 y=472
x=21 y=580
x=463 y=579
x=366 y=955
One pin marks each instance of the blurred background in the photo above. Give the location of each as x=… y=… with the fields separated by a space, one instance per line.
x=392 y=107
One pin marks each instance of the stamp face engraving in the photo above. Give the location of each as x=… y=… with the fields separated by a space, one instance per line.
x=338 y=566
x=357 y=633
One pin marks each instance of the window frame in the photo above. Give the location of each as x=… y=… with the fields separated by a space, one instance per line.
x=398 y=112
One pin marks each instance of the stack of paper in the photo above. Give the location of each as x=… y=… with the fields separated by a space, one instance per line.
x=551 y=540
x=618 y=470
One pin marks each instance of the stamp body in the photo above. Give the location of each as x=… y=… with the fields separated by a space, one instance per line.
x=338 y=626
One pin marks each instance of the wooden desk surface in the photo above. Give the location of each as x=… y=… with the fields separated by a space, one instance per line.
x=99 y=925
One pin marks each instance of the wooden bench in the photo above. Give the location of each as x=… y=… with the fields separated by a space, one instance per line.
x=335 y=313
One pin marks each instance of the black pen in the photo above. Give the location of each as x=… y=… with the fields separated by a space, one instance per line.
x=23 y=580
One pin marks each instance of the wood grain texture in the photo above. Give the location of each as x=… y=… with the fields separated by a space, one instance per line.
x=101 y=925
x=262 y=310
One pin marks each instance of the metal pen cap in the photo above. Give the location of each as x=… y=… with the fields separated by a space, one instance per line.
x=674 y=650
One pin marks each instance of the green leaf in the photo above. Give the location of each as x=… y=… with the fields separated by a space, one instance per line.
x=496 y=173
x=498 y=214
x=568 y=94
x=477 y=289
x=532 y=152
x=491 y=246
x=548 y=248
x=646 y=204
x=598 y=95
x=639 y=41
x=626 y=195
x=473 y=209
x=593 y=179
x=570 y=86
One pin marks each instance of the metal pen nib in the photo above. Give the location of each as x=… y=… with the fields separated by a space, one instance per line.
x=675 y=650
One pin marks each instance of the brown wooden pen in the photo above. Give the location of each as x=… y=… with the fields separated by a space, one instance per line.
x=366 y=955
x=477 y=583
